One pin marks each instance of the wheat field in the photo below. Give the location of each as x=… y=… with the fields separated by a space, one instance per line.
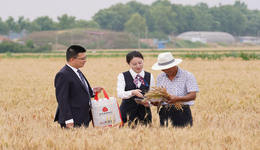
x=226 y=112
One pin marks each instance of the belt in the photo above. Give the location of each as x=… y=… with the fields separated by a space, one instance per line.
x=170 y=105
x=167 y=106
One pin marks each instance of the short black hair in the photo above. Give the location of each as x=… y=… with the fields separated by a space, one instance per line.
x=133 y=54
x=73 y=51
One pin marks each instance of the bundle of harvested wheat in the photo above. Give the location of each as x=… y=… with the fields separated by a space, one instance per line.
x=160 y=94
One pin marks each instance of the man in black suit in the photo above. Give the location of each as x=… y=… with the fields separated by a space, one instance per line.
x=73 y=91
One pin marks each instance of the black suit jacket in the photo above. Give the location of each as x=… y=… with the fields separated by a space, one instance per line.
x=73 y=98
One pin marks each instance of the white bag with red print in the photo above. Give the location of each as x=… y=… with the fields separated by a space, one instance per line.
x=105 y=111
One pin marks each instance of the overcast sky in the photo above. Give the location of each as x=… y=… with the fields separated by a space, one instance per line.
x=83 y=9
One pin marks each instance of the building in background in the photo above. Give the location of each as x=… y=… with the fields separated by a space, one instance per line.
x=2 y=38
x=249 y=40
x=207 y=37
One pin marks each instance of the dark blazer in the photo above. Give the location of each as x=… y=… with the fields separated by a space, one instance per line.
x=73 y=98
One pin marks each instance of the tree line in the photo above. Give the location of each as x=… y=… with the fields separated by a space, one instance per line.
x=158 y=20
x=43 y=23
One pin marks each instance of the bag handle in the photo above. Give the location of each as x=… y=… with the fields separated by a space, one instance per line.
x=105 y=95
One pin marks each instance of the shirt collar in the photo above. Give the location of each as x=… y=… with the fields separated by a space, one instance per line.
x=178 y=72
x=74 y=69
x=134 y=74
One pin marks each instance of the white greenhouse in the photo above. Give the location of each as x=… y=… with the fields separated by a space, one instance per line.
x=207 y=37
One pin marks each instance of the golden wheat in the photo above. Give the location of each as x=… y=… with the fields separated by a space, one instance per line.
x=160 y=94
x=226 y=111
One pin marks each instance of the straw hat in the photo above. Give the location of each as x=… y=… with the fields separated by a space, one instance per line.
x=165 y=61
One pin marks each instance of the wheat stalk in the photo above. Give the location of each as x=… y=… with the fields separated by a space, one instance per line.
x=160 y=94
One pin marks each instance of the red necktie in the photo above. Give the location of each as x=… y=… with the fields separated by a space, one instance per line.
x=138 y=78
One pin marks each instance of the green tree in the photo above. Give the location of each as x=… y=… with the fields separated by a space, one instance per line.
x=231 y=19
x=253 y=23
x=137 y=7
x=184 y=18
x=87 y=24
x=29 y=44
x=241 y=6
x=44 y=23
x=66 y=22
x=113 y=18
x=23 y=24
x=3 y=27
x=12 y=25
x=164 y=19
x=11 y=47
x=136 y=25
x=193 y=18
x=203 y=20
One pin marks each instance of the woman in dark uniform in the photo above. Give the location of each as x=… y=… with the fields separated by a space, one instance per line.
x=133 y=84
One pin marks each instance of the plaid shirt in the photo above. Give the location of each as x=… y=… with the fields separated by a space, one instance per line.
x=183 y=83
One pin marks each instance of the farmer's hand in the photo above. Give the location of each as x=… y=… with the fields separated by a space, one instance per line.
x=137 y=93
x=155 y=103
x=173 y=99
x=146 y=104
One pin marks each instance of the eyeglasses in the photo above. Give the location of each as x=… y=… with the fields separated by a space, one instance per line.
x=83 y=58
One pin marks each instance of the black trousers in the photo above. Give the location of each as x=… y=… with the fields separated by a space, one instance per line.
x=178 y=118
x=135 y=114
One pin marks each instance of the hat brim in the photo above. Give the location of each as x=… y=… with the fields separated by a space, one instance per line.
x=156 y=66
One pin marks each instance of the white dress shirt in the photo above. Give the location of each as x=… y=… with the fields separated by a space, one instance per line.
x=75 y=70
x=121 y=93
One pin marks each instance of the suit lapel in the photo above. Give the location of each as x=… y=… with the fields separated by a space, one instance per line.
x=75 y=76
x=89 y=88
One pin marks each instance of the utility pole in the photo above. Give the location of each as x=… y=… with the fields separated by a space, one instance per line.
x=138 y=40
x=146 y=32
x=56 y=41
x=71 y=38
x=258 y=37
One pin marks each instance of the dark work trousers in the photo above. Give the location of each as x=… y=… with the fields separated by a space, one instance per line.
x=178 y=118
